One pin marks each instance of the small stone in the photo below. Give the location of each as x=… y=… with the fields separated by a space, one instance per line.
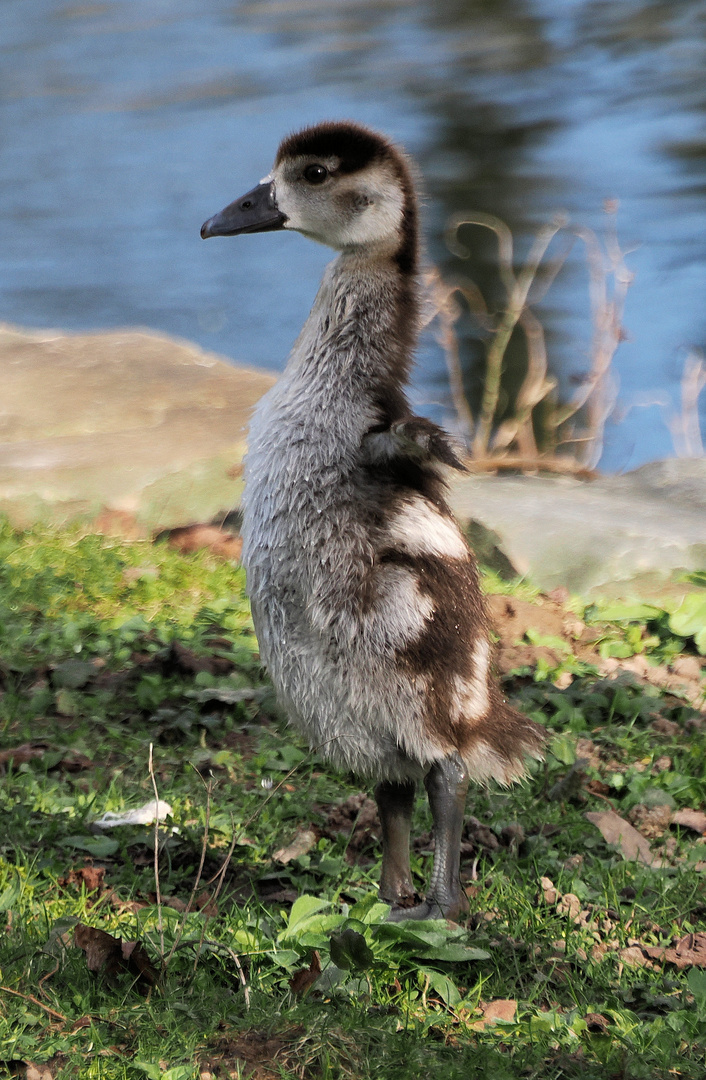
x=569 y=905
x=633 y=957
x=667 y=728
x=550 y=893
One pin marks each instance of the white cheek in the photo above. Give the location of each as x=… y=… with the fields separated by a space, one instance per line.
x=380 y=221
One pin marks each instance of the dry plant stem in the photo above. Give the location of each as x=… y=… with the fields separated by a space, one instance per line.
x=518 y=463
x=442 y=306
x=35 y=1001
x=199 y=872
x=517 y=289
x=684 y=426
x=607 y=314
x=49 y=975
x=220 y=947
x=160 y=922
x=219 y=878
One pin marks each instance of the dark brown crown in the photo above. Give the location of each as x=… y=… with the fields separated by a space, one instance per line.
x=356 y=147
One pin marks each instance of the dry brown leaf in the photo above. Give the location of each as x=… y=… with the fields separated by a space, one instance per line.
x=615 y=830
x=207 y=905
x=111 y=955
x=101 y=949
x=303 y=980
x=304 y=841
x=492 y=1011
x=689 y=951
x=175 y=903
x=136 y=958
x=690 y=819
x=90 y=876
x=196 y=537
x=18 y=755
x=596 y=1023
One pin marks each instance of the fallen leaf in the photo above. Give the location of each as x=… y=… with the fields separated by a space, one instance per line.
x=615 y=830
x=304 y=841
x=302 y=981
x=196 y=537
x=18 y=755
x=137 y=959
x=175 y=903
x=102 y=950
x=690 y=819
x=492 y=1011
x=596 y=1023
x=689 y=951
x=90 y=876
x=569 y=905
x=111 y=955
x=207 y=905
x=194 y=663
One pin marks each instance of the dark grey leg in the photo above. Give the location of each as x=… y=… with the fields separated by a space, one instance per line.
x=395 y=803
x=446 y=784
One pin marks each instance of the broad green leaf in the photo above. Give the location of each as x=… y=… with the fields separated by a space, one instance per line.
x=452 y=953
x=627 y=612
x=563 y=748
x=302 y=908
x=151 y=1070
x=689 y=619
x=442 y=985
x=350 y=951
x=99 y=846
x=285 y=958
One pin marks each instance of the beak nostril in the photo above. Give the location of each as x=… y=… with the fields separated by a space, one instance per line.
x=246 y=204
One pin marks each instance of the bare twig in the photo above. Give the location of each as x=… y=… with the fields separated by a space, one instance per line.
x=517 y=289
x=563 y=465
x=218 y=946
x=684 y=426
x=36 y=1001
x=446 y=310
x=199 y=872
x=598 y=391
x=160 y=922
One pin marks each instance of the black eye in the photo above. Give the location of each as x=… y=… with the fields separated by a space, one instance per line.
x=315 y=174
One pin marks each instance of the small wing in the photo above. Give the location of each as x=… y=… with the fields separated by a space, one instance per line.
x=415 y=438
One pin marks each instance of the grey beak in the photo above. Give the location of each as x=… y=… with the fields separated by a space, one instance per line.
x=255 y=212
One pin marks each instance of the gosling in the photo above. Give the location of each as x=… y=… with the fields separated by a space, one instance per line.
x=365 y=595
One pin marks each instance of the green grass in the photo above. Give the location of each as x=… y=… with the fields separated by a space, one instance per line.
x=107 y=647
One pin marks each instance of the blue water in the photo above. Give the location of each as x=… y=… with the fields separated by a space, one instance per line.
x=125 y=124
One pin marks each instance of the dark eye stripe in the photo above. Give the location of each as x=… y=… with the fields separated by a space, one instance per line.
x=315 y=174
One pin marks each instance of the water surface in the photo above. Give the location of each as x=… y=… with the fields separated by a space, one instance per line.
x=125 y=124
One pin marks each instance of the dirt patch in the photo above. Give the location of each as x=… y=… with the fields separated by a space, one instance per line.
x=252 y=1054
x=544 y=630
x=357 y=818
x=555 y=631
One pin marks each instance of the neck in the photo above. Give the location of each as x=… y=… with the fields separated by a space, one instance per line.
x=359 y=338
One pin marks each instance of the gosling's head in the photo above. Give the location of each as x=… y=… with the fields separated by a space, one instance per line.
x=338 y=183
